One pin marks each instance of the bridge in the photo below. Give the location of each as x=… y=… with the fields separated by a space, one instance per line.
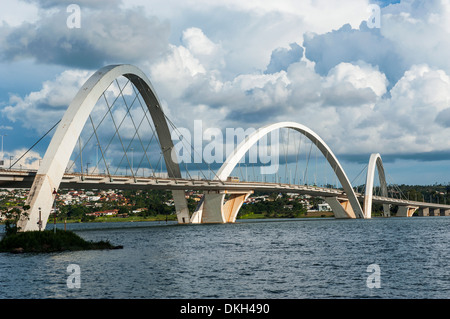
x=223 y=195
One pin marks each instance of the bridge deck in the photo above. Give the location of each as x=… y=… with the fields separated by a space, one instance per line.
x=24 y=179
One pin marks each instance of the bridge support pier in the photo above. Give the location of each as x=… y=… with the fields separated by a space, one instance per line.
x=231 y=207
x=181 y=206
x=424 y=211
x=209 y=209
x=406 y=211
x=386 y=210
x=436 y=212
x=214 y=209
x=445 y=212
x=341 y=207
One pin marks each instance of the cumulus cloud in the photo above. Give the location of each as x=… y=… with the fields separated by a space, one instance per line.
x=319 y=15
x=248 y=31
x=83 y=3
x=411 y=33
x=41 y=109
x=405 y=121
x=22 y=159
x=352 y=45
x=351 y=106
x=419 y=31
x=281 y=58
x=208 y=53
x=260 y=97
x=107 y=35
x=362 y=90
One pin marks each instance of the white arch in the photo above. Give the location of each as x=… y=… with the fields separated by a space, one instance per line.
x=252 y=139
x=374 y=162
x=56 y=158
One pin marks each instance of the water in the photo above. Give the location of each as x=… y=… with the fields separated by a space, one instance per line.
x=301 y=258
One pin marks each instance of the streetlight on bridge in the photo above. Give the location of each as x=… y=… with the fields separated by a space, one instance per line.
x=1 y=158
x=132 y=173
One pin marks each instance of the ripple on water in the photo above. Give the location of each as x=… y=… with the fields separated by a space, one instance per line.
x=263 y=259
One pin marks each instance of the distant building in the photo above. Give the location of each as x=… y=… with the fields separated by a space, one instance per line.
x=324 y=207
x=111 y=212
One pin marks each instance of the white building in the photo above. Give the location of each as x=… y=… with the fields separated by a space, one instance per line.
x=324 y=207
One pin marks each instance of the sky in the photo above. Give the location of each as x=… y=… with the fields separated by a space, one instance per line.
x=364 y=87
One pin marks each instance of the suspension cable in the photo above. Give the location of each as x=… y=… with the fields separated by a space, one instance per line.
x=35 y=144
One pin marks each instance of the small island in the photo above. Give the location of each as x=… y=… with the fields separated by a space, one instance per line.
x=45 y=241
x=49 y=241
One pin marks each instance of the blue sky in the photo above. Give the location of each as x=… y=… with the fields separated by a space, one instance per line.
x=245 y=64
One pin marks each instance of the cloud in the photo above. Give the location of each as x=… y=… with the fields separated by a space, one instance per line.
x=319 y=15
x=41 y=109
x=208 y=53
x=405 y=122
x=281 y=58
x=411 y=33
x=352 y=85
x=419 y=32
x=353 y=45
x=248 y=31
x=362 y=90
x=443 y=118
x=19 y=160
x=253 y=99
x=46 y=4
x=106 y=36
x=14 y=14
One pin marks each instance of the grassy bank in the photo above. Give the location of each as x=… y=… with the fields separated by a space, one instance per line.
x=174 y=218
x=104 y=219
x=252 y=216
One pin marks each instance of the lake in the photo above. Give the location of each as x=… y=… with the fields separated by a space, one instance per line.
x=264 y=259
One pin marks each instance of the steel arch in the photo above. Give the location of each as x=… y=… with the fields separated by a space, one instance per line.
x=57 y=156
x=374 y=162
x=252 y=139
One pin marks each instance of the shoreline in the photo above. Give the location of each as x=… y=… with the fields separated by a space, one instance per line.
x=161 y=218
x=174 y=218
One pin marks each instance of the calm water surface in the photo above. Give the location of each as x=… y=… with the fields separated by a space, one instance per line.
x=301 y=258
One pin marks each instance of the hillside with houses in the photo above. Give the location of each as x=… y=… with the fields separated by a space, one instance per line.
x=86 y=205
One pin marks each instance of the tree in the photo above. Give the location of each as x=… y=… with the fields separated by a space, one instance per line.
x=12 y=218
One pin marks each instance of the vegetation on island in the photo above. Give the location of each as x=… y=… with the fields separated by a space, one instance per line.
x=45 y=241
x=49 y=241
